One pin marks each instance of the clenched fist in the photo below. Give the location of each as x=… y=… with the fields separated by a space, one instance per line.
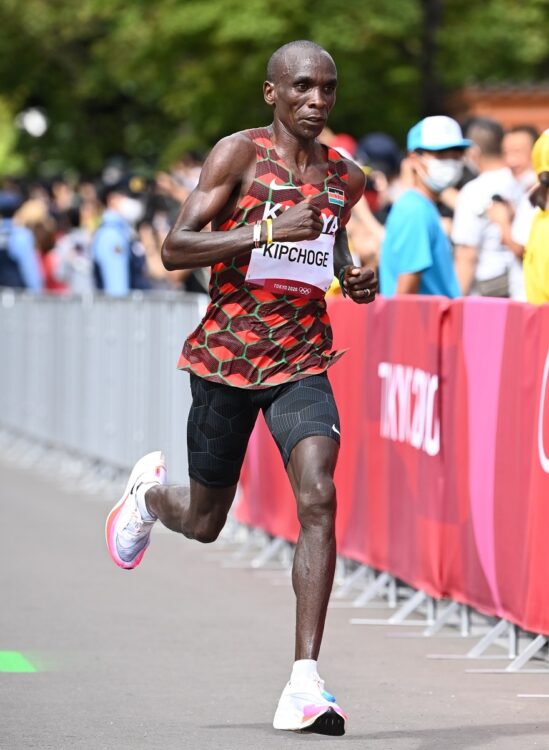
x=360 y=284
x=300 y=222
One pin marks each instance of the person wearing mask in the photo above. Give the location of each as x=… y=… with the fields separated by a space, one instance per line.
x=483 y=253
x=19 y=262
x=416 y=255
x=117 y=264
x=536 y=259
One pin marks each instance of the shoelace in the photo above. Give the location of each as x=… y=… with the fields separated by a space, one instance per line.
x=134 y=525
x=325 y=693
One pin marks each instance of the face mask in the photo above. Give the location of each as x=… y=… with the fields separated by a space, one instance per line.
x=131 y=209
x=441 y=173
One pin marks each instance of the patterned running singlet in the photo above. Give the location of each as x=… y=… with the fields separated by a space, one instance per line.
x=251 y=337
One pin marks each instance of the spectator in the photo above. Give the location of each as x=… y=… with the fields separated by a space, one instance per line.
x=381 y=155
x=517 y=154
x=345 y=144
x=62 y=197
x=515 y=226
x=164 y=205
x=416 y=255
x=168 y=185
x=364 y=231
x=482 y=253
x=34 y=215
x=536 y=259
x=19 y=263
x=118 y=264
x=73 y=250
x=365 y=235
x=87 y=196
x=182 y=178
x=521 y=223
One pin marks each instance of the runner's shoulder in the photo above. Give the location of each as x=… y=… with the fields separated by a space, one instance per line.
x=236 y=149
x=229 y=161
x=357 y=179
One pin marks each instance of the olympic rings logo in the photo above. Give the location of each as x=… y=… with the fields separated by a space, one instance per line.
x=304 y=290
x=543 y=457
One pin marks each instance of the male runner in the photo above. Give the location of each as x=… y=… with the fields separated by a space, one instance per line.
x=278 y=202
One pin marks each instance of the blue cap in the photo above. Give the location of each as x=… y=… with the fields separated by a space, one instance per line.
x=436 y=134
x=9 y=202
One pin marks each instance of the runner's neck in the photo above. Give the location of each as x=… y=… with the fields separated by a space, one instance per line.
x=300 y=156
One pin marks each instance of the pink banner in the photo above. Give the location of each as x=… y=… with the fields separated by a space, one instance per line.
x=443 y=474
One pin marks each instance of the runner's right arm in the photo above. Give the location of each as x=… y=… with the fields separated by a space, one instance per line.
x=226 y=176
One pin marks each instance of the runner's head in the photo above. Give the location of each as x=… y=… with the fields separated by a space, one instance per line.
x=301 y=87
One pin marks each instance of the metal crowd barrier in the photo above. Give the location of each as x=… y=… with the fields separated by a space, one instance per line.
x=96 y=376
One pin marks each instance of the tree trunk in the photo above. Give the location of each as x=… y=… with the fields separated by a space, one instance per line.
x=432 y=99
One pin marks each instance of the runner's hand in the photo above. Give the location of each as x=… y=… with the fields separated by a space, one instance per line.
x=360 y=284
x=300 y=222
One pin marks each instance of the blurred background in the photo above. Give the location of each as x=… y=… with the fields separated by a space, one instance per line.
x=81 y=82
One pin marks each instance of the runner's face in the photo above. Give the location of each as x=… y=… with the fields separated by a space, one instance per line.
x=304 y=94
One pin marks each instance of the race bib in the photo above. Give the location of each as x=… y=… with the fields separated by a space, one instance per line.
x=299 y=269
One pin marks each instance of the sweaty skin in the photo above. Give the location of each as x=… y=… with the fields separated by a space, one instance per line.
x=301 y=96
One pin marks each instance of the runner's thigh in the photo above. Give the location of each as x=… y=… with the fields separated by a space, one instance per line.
x=220 y=422
x=302 y=409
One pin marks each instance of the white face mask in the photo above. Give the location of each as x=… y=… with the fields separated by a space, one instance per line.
x=441 y=173
x=131 y=209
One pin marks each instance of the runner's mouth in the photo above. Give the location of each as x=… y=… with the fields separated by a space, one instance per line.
x=315 y=120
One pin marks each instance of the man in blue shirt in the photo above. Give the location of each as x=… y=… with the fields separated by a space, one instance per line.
x=416 y=255
x=19 y=264
x=114 y=239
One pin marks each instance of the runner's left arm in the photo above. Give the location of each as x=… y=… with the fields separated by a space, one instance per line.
x=360 y=284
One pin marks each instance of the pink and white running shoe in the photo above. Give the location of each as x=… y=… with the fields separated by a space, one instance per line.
x=128 y=533
x=307 y=706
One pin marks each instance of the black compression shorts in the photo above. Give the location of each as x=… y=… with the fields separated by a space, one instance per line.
x=222 y=418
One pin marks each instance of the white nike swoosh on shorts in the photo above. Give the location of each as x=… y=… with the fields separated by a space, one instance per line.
x=334 y=428
x=275 y=186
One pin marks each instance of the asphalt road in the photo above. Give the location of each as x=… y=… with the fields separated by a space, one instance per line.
x=186 y=653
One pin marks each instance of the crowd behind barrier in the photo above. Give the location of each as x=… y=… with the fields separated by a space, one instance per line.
x=443 y=475
x=482 y=221
x=96 y=376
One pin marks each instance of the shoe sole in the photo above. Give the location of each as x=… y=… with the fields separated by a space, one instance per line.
x=330 y=723
x=137 y=470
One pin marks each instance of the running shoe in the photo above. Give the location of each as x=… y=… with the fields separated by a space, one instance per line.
x=308 y=707
x=128 y=533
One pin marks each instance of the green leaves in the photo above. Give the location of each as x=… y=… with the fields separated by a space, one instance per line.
x=147 y=79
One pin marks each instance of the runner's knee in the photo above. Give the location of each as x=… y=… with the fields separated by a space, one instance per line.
x=206 y=536
x=316 y=503
x=207 y=529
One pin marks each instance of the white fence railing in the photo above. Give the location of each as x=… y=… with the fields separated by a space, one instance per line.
x=97 y=376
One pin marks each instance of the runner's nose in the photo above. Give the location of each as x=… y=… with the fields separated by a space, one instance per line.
x=317 y=99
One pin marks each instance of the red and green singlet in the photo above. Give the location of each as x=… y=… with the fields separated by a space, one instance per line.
x=250 y=337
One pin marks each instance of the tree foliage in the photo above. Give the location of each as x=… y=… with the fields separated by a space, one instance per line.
x=150 y=79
